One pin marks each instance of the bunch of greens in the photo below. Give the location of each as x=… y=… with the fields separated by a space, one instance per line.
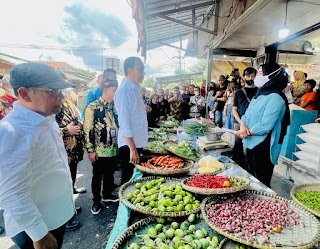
x=309 y=198
x=156 y=145
x=196 y=129
x=158 y=134
x=185 y=149
x=175 y=235
x=170 y=122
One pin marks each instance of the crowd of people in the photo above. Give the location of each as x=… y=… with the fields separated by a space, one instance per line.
x=45 y=135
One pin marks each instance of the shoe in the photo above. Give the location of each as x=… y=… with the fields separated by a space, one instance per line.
x=1 y=230
x=79 y=190
x=111 y=198
x=96 y=208
x=73 y=225
x=78 y=210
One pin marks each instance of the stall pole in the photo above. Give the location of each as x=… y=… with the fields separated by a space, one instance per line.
x=209 y=71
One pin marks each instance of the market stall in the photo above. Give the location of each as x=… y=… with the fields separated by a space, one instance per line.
x=159 y=207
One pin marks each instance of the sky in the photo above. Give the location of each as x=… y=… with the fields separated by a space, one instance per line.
x=80 y=33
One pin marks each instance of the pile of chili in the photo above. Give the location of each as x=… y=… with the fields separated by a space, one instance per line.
x=207 y=181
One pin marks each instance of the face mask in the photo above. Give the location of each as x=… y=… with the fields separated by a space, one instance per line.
x=260 y=81
x=196 y=93
x=182 y=92
x=249 y=82
x=211 y=88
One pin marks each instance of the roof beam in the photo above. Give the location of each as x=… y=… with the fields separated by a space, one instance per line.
x=235 y=52
x=185 y=24
x=167 y=38
x=168 y=12
x=172 y=46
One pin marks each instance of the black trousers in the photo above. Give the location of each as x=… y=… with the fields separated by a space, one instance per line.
x=238 y=155
x=259 y=161
x=103 y=171
x=24 y=241
x=73 y=165
x=126 y=167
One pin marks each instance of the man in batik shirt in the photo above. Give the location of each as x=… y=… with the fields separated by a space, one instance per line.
x=7 y=96
x=101 y=131
x=176 y=105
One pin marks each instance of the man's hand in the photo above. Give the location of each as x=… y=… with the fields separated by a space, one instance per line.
x=162 y=117
x=148 y=108
x=47 y=242
x=93 y=157
x=73 y=129
x=134 y=156
x=219 y=94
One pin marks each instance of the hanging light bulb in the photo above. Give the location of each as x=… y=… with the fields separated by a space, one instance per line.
x=284 y=31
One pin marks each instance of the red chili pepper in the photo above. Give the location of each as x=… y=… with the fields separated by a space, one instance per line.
x=207 y=181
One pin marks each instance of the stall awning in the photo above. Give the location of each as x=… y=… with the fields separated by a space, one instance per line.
x=163 y=22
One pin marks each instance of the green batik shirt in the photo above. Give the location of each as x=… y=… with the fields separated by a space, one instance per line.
x=101 y=128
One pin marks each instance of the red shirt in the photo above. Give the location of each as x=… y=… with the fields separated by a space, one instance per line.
x=203 y=91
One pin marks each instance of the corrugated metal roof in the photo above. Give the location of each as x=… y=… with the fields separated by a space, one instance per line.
x=161 y=30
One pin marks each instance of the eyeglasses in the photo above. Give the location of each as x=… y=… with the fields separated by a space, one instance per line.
x=53 y=91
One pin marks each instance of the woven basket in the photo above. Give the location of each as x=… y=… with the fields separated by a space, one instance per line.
x=141 y=227
x=287 y=238
x=170 y=143
x=129 y=187
x=167 y=129
x=304 y=187
x=188 y=165
x=162 y=152
x=216 y=191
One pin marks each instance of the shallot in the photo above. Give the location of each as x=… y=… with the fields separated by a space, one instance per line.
x=250 y=217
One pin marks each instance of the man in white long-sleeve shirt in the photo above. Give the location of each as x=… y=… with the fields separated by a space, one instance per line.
x=133 y=125
x=35 y=181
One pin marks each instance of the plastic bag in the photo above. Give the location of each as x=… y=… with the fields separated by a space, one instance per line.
x=210 y=162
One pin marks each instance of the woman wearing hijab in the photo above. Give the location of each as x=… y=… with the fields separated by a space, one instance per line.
x=154 y=115
x=297 y=86
x=265 y=122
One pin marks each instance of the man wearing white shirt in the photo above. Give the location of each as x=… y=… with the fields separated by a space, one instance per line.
x=133 y=125
x=35 y=182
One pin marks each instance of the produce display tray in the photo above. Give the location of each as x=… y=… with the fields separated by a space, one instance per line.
x=309 y=235
x=170 y=143
x=162 y=152
x=305 y=187
x=216 y=191
x=227 y=244
x=167 y=129
x=129 y=187
x=187 y=166
x=141 y=227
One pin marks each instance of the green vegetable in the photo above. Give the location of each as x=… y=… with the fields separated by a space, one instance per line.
x=192 y=228
x=184 y=226
x=155 y=145
x=174 y=225
x=192 y=218
x=196 y=129
x=152 y=232
x=309 y=198
x=161 y=220
x=159 y=227
x=185 y=149
x=170 y=233
x=199 y=234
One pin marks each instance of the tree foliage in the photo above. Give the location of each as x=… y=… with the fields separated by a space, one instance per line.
x=149 y=82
